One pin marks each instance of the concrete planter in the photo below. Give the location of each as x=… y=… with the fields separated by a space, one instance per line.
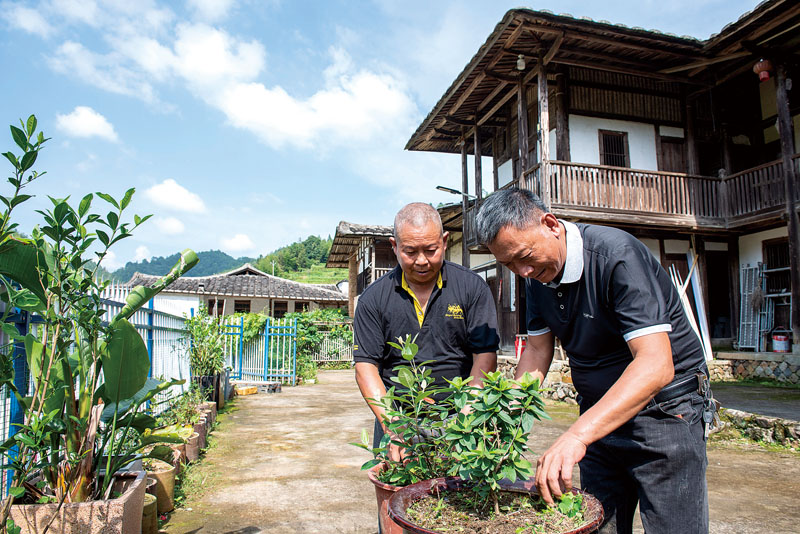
x=122 y=515
x=200 y=428
x=193 y=448
x=212 y=409
x=150 y=515
x=164 y=476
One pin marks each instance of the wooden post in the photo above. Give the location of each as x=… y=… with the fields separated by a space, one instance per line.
x=562 y=118
x=476 y=141
x=692 y=163
x=464 y=200
x=733 y=270
x=790 y=184
x=495 y=156
x=544 y=132
x=522 y=128
x=352 y=284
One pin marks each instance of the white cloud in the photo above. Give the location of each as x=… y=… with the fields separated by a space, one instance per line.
x=354 y=106
x=238 y=243
x=103 y=71
x=210 y=10
x=27 y=19
x=168 y=226
x=86 y=122
x=142 y=253
x=170 y=194
x=205 y=56
x=84 y=11
x=110 y=261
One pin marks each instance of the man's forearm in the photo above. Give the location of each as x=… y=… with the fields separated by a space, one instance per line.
x=484 y=362
x=371 y=387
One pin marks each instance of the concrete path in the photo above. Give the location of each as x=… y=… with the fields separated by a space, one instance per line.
x=283 y=464
x=761 y=400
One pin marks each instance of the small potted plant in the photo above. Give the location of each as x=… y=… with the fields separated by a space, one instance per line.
x=206 y=351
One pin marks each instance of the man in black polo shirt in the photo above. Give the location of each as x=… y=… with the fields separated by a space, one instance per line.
x=638 y=367
x=449 y=307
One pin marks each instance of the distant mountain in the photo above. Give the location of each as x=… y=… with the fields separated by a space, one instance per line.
x=211 y=262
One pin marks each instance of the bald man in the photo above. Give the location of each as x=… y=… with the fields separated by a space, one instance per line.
x=448 y=307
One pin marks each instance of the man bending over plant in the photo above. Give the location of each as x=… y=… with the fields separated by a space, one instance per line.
x=448 y=307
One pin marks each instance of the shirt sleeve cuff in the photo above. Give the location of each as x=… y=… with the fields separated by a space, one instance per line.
x=538 y=332
x=647 y=330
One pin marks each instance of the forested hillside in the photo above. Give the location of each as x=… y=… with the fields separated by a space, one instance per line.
x=302 y=261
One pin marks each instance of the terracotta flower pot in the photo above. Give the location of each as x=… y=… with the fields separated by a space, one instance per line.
x=150 y=515
x=122 y=515
x=404 y=497
x=200 y=428
x=193 y=447
x=164 y=476
x=383 y=492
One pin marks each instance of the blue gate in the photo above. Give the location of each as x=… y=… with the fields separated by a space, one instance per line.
x=270 y=356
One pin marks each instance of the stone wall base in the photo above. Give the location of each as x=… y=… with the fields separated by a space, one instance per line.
x=762 y=428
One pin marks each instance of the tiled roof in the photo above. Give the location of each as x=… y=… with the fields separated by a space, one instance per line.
x=246 y=281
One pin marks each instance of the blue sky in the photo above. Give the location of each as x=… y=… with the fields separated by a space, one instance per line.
x=245 y=125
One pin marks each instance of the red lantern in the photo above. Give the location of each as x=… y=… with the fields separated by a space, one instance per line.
x=762 y=68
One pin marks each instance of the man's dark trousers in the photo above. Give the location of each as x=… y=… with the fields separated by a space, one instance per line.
x=658 y=460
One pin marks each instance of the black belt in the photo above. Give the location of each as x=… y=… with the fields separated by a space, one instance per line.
x=697 y=382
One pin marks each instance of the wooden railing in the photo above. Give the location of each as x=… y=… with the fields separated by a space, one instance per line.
x=599 y=192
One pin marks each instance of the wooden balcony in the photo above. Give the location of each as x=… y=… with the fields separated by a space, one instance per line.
x=668 y=200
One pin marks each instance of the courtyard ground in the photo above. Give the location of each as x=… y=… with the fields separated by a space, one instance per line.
x=281 y=463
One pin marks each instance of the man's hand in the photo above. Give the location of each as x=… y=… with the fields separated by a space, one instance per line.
x=554 y=467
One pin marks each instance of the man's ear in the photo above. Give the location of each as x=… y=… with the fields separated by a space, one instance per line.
x=549 y=221
x=444 y=238
x=393 y=242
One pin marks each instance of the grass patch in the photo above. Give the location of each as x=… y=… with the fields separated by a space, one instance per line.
x=334 y=366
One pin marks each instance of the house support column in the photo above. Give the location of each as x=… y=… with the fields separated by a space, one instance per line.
x=352 y=285
x=790 y=185
x=733 y=270
x=476 y=141
x=544 y=132
x=495 y=175
x=692 y=163
x=522 y=128
x=562 y=118
x=464 y=200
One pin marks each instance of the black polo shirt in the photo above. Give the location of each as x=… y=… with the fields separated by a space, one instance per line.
x=460 y=320
x=620 y=293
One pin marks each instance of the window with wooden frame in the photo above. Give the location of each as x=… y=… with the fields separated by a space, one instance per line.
x=614 y=148
x=279 y=308
x=241 y=306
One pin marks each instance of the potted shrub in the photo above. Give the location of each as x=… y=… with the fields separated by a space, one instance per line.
x=480 y=435
x=414 y=424
x=83 y=421
x=492 y=485
x=206 y=351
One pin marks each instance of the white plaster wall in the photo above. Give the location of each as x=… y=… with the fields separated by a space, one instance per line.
x=176 y=304
x=670 y=131
x=750 y=251
x=505 y=173
x=653 y=246
x=584 y=143
x=676 y=246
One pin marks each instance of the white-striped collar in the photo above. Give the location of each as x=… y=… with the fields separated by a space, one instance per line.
x=573 y=264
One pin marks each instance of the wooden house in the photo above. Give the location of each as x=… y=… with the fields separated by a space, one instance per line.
x=687 y=144
x=245 y=289
x=366 y=253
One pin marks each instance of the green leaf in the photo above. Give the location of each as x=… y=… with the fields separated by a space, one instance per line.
x=28 y=160
x=370 y=464
x=109 y=199
x=113 y=220
x=19 y=261
x=85 y=204
x=20 y=138
x=17 y=491
x=125 y=361
x=31 y=125
x=13 y=159
x=103 y=237
x=127 y=198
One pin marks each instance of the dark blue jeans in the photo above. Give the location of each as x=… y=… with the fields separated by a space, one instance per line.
x=658 y=460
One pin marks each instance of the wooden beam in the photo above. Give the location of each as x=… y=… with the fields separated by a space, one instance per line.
x=562 y=118
x=500 y=103
x=790 y=185
x=502 y=77
x=460 y=122
x=522 y=129
x=704 y=62
x=633 y=72
x=496 y=91
x=553 y=49
x=448 y=133
x=468 y=91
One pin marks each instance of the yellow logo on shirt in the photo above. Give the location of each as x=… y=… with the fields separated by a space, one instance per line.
x=454 y=311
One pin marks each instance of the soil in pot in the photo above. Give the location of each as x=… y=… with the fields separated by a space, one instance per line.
x=164 y=476
x=439 y=506
x=193 y=447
